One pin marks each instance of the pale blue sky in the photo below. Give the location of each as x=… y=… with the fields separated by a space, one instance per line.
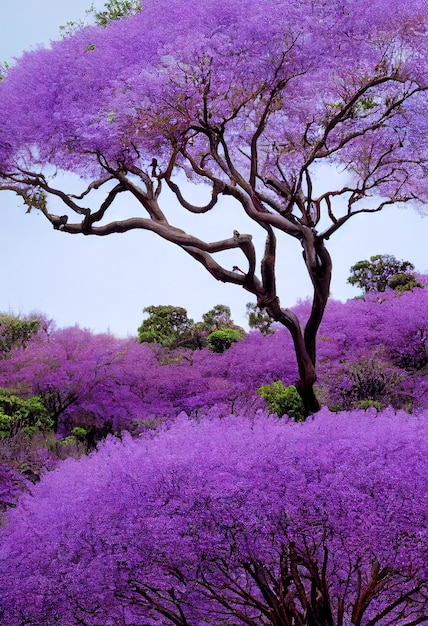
x=103 y=284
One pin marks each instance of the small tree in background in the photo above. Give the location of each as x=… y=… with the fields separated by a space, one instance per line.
x=170 y=327
x=16 y=331
x=166 y=324
x=382 y=271
x=221 y=340
x=216 y=318
x=217 y=329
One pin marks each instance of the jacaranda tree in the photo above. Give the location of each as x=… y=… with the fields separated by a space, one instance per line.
x=249 y=98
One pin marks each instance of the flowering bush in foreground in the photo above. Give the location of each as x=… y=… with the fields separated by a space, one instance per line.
x=232 y=521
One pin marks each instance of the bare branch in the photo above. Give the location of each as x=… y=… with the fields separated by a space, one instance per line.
x=38 y=181
x=91 y=218
x=341 y=220
x=215 y=192
x=96 y=184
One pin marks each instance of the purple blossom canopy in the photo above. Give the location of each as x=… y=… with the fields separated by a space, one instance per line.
x=142 y=87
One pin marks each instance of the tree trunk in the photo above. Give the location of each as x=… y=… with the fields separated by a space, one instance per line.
x=307 y=373
x=319 y=266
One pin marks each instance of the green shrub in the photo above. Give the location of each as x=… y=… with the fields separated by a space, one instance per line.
x=28 y=416
x=80 y=432
x=404 y=282
x=283 y=400
x=221 y=340
x=166 y=325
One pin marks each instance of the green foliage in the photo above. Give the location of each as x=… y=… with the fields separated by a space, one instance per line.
x=35 y=200
x=86 y=438
x=367 y=103
x=404 y=282
x=18 y=415
x=15 y=331
x=113 y=10
x=221 y=340
x=170 y=327
x=166 y=325
x=77 y=439
x=368 y=404
x=216 y=318
x=116 y=10
x=283 y=400
x=80 y=432
x=258 y=318
x=377 y=273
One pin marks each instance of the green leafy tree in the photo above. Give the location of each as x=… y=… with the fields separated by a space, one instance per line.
x=216 y=318
x=15 y=331
x=166 y=324
x=382 y=271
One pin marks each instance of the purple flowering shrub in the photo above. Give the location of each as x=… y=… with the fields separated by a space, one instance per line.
x=229 y=521
x=380 y=340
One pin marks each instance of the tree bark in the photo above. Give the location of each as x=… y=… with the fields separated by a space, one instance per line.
x=306 y=367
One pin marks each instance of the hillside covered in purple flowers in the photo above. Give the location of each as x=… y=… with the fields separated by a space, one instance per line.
x=142 y=485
